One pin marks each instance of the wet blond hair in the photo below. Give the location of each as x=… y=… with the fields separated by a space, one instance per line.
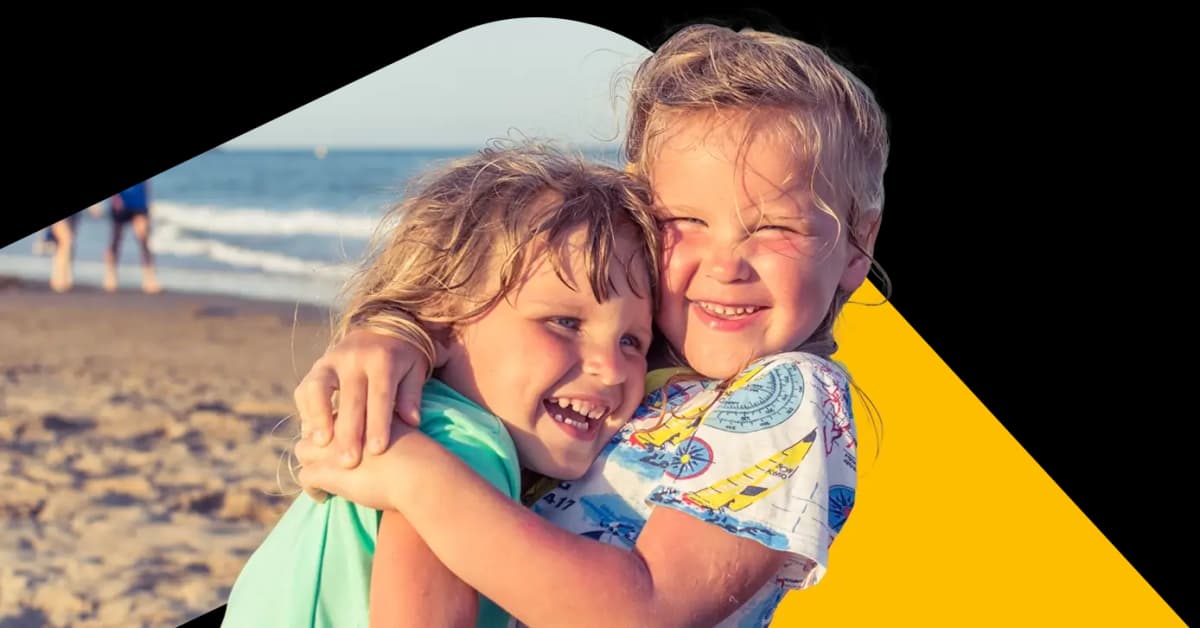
x=494 y=214
x=836 y=128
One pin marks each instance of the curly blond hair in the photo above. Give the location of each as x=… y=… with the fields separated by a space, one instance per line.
x=491 y=214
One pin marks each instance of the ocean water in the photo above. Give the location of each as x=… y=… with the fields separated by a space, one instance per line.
x=277 y=224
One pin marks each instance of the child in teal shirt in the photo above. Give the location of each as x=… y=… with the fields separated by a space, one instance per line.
x=539 y=272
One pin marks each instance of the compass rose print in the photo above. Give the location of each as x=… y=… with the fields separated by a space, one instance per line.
x=841 y=502
x=653 y=403
x=692 y=458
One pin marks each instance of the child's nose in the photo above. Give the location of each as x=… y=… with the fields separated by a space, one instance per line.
x=725 y=263
x=604 y=361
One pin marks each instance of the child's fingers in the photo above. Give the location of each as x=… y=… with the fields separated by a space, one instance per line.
x=381 y=393
x=348 y=429
x=313 y=401
x=315 y=471
x=307 y=453
x=308 y=478
x=310 y=457
x=409 y=402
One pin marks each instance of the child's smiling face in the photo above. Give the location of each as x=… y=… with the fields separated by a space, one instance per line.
x=750 y=264
x=561 y=371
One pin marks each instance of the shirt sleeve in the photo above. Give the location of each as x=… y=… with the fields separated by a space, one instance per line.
x=773 y=460
x=478 y=449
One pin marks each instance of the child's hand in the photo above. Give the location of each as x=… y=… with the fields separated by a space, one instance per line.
x=367 y=370
x=375 y=483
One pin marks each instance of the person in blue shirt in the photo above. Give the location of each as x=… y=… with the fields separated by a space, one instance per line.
x=131 y=206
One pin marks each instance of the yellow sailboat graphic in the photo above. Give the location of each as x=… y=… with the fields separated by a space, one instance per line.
x=681 y=426
x=743 y=489
x=673 y=430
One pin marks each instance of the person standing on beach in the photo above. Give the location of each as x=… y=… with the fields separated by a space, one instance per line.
x=59 y=240
x=62 y=233
x=131 y=205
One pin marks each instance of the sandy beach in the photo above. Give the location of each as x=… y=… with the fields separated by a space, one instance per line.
x=140 y=439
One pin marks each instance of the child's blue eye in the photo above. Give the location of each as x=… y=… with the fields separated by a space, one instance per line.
x=632 y=341
x=572 y=323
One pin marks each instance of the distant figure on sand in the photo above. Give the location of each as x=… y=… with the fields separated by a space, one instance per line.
x=131 y=206
x=59 y=240
x=62 y=237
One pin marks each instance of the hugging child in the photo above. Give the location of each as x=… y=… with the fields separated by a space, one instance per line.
x=727 y=490
x=535 y=273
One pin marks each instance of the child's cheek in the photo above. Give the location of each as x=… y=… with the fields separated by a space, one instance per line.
x=679 y=265
x=549 y=348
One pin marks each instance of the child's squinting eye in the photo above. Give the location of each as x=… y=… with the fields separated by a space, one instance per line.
x=782 y=228
x=682 y=219
x=632 y=341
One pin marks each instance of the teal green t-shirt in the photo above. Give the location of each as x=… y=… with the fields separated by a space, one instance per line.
x=314 y=568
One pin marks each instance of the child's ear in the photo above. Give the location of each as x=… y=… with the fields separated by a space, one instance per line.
x=862 y=251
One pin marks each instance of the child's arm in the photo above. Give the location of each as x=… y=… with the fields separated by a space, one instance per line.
x=375 y=376
x=683 y=571
x=410 y=586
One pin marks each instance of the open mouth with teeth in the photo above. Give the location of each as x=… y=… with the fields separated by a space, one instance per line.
x=579 y=418
x=727 y=311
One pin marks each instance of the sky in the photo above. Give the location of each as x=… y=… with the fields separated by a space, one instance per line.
x=544 y=77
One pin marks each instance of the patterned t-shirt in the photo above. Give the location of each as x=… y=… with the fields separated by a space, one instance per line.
x=773 y=459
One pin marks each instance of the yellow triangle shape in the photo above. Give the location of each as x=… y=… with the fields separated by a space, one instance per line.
x=955 y=524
